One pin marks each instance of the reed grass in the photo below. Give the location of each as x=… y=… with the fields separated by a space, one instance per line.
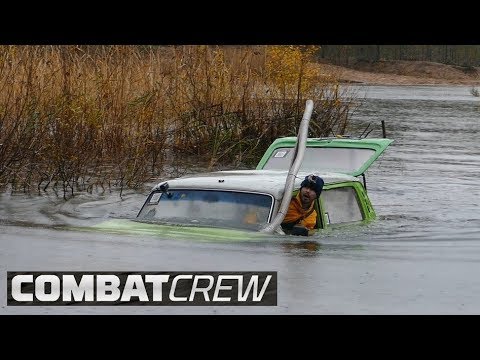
x=78 y=118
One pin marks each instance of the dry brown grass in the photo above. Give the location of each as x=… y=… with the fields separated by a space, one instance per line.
x=79 y=117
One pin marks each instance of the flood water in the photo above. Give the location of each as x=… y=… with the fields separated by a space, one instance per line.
x=421 y=256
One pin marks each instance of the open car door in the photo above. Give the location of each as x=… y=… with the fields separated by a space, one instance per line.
x=346 y=156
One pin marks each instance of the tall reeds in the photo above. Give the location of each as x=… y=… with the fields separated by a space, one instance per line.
x=75 y=118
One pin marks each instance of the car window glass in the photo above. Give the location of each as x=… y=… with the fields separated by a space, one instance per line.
x=344 y=160
x=341 y=205
x=209 y=208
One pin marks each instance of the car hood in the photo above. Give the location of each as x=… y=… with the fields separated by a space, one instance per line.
x=133 y=227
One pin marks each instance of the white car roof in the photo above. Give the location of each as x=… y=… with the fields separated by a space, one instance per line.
x=261 y=181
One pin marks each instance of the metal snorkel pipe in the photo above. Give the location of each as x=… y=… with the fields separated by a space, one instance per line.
x=292 y=172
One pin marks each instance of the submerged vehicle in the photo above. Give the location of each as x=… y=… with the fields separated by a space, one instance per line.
x=250 y=199
x=233 y=203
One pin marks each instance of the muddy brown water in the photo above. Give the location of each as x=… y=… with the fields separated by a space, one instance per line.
x=421 y=256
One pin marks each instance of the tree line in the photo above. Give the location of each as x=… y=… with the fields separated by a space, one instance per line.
x=460 y=55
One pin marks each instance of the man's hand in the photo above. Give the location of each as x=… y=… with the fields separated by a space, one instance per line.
x=299 y=230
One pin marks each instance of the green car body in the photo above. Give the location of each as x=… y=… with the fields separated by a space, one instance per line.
x=339 y=162
x=179 y=232
x=375 y=147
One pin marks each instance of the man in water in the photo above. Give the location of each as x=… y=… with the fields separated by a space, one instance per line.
x=301 y=218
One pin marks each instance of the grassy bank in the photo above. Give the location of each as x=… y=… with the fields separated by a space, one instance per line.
x=75 y=118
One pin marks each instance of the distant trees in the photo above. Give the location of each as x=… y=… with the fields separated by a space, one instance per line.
x=462 y=55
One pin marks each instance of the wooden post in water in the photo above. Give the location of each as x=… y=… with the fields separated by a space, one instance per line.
x=384 y=132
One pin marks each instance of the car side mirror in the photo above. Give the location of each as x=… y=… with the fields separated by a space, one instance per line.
x=164 y=187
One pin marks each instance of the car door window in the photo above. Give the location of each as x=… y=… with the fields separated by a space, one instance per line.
x=341 y=205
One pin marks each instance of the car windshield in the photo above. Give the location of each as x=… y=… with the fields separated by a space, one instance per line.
x=230 y=209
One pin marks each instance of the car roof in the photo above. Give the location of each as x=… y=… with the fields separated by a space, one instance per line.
x=262 y=181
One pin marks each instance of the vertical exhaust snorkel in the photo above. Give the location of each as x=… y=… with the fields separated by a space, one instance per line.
x=294 y=167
